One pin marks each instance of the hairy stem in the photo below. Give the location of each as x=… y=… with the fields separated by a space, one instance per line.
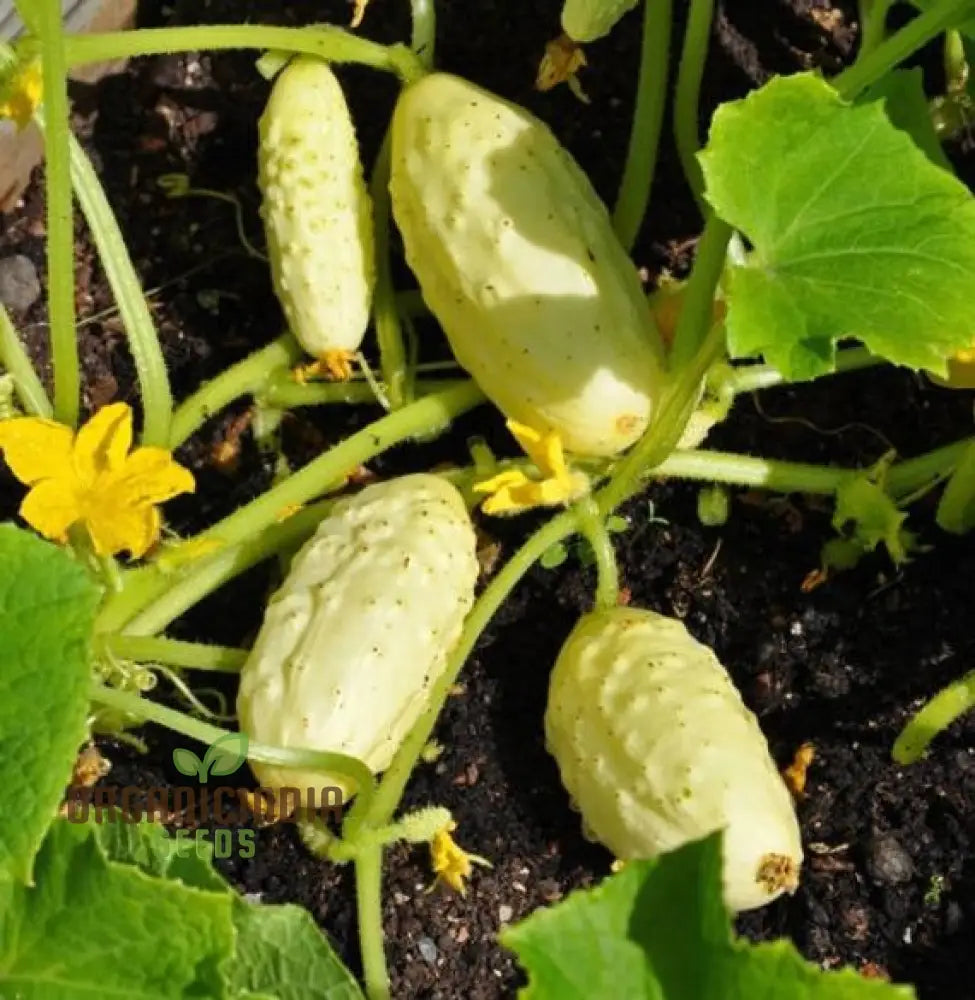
x=593 y=528
x=248 y=376
x=688 y=95
x=749 y=378
x=14 y=359
x=60 y=217
x=368 y=890
x=284 y=393
x=389 y=332
x=143 y=710
x=175 y=653
x=648 y=116
x=333 y=44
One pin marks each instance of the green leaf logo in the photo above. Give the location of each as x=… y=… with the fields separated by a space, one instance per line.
x=221 y=758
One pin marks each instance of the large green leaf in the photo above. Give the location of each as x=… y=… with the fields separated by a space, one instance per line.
x=855 y=232
x=91 y=928
x=658 y=930
x=47 y=608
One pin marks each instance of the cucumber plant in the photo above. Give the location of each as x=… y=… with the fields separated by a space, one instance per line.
x=529 y=276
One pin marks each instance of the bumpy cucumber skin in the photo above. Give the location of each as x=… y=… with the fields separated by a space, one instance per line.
x=516 y=257
x=360 y=630
x=656 y=748
x=316 y=209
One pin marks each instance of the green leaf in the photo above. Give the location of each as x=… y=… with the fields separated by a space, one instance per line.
x=99 y=930
x=956 y=511
x=281 y=953
x=587 y=20
x=658 y=930
x=907 y=109
x=47 y=612
x=867 y=516
x=855 y=232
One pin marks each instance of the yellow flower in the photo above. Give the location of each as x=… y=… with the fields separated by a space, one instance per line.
x=92 y=478
x=512 y=491
x=21 y=94
x=450 y=862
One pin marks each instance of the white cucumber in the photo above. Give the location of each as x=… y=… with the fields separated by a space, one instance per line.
x=360 y=630
x=656 y=748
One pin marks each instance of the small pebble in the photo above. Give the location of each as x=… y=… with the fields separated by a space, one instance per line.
x=888 y=862
x=505 y=913
x=20 y=287
x=427 y=949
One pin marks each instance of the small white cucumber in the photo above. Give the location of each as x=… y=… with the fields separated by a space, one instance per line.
x=361 y=628
x=656 y=748
x=587 y=20
x=316 y=209
x=516 y=257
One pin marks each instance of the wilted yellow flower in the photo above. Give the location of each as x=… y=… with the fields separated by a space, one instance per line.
x=450 y=862
x=512 y=491
x=92 y=478
x=21 y=93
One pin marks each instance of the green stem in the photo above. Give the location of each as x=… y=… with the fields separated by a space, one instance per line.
x=146 y=710
x=60 y=218
x=749 y=378
x=912 y=474
x=390 y=789
x=368 y=890
x=334 y=44
x=746 y=470
x=14 y=359
x=389 y=332
x=648 y=116
x=873 y=24
x=937 y=715
x=593 y=527
x=150 y=365
x=284 y=393
x=175 y=653
x=687 y=98
x=153 y=597
x=248 y=376
x=424 y=35
x=248 y=525
x=899 y=46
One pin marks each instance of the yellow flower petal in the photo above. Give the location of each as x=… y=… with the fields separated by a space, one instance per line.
x=149 y=475
x=503 y=480
x=36 y=449
x=51 y=508
x=22 y=93
x=545 y=450
x=450 y=862
x=103 y=443
x=116 y=527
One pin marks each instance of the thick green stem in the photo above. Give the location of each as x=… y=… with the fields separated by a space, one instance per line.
x=284 y=393
x=248 y=376
x=144 y=710
x=424 y=34
x=14 y=359
x=389 y=331
x=60 y=217
x=688 y=95
x=746 y=470
x=937 y=715
x=593 y=527
x=175 y=653
x=873 y=24
x=334 y=44
x=899 y=46
x=648 y=116
x=368 y=890
x=749 y=378
x=150 y=365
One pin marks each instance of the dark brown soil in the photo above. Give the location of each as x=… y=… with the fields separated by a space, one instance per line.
x=889 y=880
